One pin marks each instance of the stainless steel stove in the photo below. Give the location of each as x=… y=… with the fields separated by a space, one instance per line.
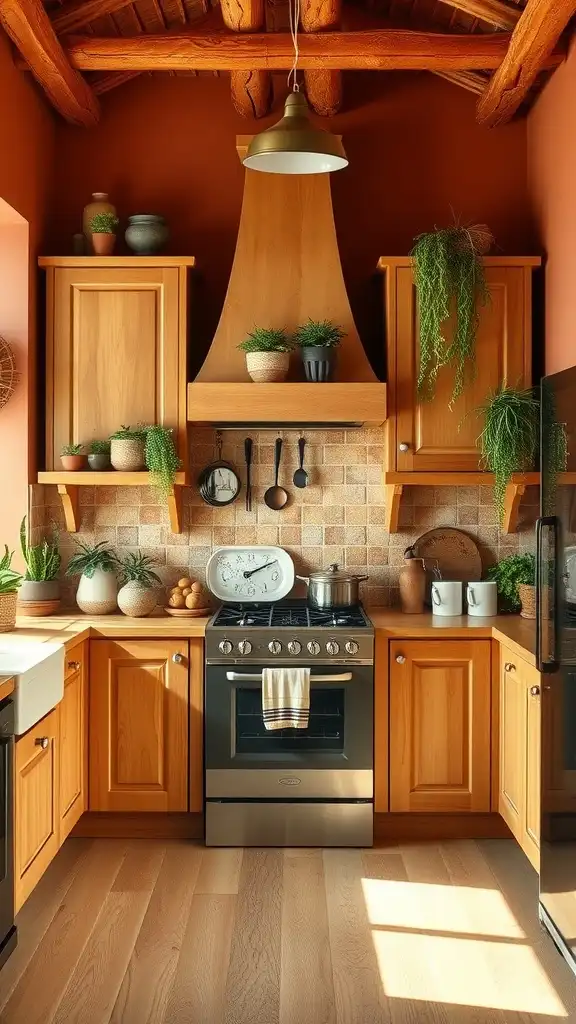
x=290 y=787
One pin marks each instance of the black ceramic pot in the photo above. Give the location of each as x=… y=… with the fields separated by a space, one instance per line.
x=319 y=363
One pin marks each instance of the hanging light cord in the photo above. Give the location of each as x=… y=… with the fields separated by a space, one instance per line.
x=294 y=11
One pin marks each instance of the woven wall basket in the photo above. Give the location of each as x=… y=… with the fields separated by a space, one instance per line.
x=8 y=374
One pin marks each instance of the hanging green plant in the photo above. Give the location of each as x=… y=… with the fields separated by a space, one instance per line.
x=449 y=274
x=162 y=458
x=509 y=438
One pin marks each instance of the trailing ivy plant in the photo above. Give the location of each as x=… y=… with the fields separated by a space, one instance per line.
x=42 y=560
x=161 y=458
x=449 y=274
x=509 y=438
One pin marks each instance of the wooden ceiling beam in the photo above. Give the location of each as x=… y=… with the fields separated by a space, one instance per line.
x=494 y=12
x=532 y=42
x=76 y=14
x=377 y=50
x=29 y=28
x=323 y=88
x=251 y=90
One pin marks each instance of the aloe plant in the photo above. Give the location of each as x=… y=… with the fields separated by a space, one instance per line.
x=42 y=560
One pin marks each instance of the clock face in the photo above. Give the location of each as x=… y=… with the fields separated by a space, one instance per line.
x=250 y=574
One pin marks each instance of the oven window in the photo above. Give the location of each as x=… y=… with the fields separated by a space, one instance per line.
x=325 y=726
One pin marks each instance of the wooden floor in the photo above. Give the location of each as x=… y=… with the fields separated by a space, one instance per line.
x=145 y=931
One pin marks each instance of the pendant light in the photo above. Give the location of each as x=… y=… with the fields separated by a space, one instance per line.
x=294 y=145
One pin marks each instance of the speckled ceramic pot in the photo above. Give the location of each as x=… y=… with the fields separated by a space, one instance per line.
x=96 y=595
x=136 y=600
x=146 y=234
x=127 y=454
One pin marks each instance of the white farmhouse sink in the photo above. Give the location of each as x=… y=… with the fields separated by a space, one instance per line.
x=38 y=671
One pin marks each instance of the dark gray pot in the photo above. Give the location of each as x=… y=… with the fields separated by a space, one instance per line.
x=319 y=363
x=99 y=462
x=146 y=234
x=39 y=590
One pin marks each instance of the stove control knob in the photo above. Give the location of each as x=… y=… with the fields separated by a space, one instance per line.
x=275 y=647
x=244 y=647
x=225 y=647
x=351 y=647
x=332 y=647
x=314 y=647
x=294 y=647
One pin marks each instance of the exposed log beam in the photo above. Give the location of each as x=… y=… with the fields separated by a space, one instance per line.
x=323 y=88
x=111 y=81
x=251 y=90
x=533 y=40
x=243 y=15
x=378 y=50
x=473 y=81
x=76 y=14
x=29 y=28
x=494 y=12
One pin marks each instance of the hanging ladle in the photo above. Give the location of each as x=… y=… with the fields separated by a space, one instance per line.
x=276 y=497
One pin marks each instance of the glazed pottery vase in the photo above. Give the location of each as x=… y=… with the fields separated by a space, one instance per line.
x=8 y=612
x=319 y=362
x=266 y=367
x=99 y=462
x=127 y=455
x=103 y=243
x=136 y=600
x=527 y=595
x=98 y=204
x=412 y=581
x=72 y=463
x=96 y=595
x=146 y=234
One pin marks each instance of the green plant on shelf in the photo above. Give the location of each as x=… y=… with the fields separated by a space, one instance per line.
x=138 y=568
x=42 y=560
x=72 y=449
x=509 y=439
x=10 y=580
x=104 y=224
x=127 y=433
x=509 y=574
x=99 y=448
x=90 y=557
x=161 y=458
x=266 y=339
x=318 y=334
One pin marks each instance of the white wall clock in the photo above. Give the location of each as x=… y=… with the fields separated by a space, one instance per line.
x=249 y=574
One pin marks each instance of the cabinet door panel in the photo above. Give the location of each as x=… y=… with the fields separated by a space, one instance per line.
x=444 y=439
x=73 y=743
x=440 y=725
x=138 y=726
x=531 y=819
x=512 y=741
x=36 y=804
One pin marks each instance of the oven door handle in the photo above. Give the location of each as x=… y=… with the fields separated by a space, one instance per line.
x=243 y=677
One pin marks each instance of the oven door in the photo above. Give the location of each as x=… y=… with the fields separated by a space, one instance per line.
x=332 y=758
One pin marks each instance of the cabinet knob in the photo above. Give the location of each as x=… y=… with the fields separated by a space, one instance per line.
x=404 y=446
x=535 y=691
x=42 y=741
x=177 y=659
x=509 y=667
x=400 y=658
x=73 y=666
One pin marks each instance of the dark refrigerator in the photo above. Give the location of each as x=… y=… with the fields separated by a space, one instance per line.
x=556 y=659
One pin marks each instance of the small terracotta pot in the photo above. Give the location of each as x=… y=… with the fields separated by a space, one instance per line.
x=103 y=243
x=72 y=463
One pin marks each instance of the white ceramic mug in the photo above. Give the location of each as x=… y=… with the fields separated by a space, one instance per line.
x=446 y=597
x=482 y=598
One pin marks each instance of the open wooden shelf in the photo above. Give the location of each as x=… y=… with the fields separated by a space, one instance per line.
x=394 y=484
x=295 y=402
x=68 y=484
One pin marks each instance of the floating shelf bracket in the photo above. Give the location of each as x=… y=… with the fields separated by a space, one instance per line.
x=512 y=499
x=68 y=485
x=175 y=509
x=70 y=504
x=393 y=498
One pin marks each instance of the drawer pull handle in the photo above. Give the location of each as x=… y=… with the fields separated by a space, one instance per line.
x=177 y=659
x=73 y=666
x=535 y=691
x=42 y=741
x=509 y=667
x=400 y=658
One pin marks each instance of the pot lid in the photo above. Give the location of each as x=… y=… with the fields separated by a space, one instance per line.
x=333 y=573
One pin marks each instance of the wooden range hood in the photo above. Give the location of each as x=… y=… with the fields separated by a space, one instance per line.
x=286 y=268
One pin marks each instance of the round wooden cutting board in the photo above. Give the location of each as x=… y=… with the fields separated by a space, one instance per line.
x=453 y=551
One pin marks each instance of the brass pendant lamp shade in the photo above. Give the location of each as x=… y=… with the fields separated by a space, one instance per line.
x=294 y=145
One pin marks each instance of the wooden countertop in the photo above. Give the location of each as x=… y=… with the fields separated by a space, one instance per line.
x=73 y=627
x=519 y=634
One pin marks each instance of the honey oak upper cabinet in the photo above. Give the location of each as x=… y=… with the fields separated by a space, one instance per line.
x=139 y=721
x=73 y=740
x=116 y=346
x=519 y=800
x=428 y=436
x=440 y=725
x=36 y=789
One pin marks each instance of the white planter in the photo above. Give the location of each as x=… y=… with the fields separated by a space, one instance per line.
x=97 y=596
x=136 y=600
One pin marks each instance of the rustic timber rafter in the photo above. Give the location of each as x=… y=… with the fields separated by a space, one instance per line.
x=76 y=14
x=323 y=88
x=533 y=40
x=29 y=28
x=251 y=91
x=494 y=12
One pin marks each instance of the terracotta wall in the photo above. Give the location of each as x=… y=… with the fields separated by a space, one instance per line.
x=166 y=144
x=27 y=127
x=552 y=176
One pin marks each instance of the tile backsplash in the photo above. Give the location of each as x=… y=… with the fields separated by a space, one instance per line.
x=339 y=517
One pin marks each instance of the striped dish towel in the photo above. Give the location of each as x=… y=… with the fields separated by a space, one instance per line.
x=286 y=698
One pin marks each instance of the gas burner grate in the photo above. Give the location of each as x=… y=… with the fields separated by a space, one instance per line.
x=294 y=613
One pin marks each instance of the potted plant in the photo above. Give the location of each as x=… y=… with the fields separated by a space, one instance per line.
x=98 y=587
x=127 y=449
x=449 y=274
x=515 y=578
x=40 y=582
x=161 y=458
x=103 y=229
x=137 y=594
x=72 y=457
x=318 y=342
x=99 y=455
x=267 y=354
x=509 y=438
x=9 y=584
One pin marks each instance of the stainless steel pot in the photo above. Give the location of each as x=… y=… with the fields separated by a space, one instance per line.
x=332 y=588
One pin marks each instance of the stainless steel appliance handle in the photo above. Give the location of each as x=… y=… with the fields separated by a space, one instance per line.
x=249 y=677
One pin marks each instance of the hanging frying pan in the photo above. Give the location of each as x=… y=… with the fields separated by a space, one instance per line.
x=219 y=483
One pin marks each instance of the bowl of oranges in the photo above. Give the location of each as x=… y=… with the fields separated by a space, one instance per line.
x=188 y=599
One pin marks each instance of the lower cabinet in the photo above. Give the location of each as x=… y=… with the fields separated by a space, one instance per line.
x=36 y=803
x=440 y=725
x=519 y=798
x=73 y=741
x=139 y=722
